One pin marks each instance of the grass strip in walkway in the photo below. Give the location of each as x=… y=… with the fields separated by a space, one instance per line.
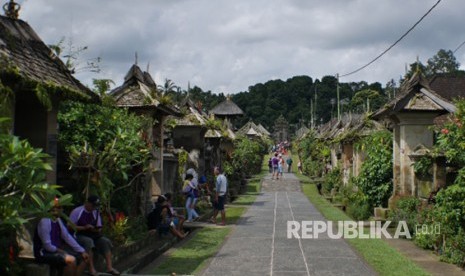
x=193 y=255
x=376 y=252
x=253 y=189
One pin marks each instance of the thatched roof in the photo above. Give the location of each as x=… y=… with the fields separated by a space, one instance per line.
x=301 y=132
x=138 y=91
x=24 y=54
x=349 y=128
x=227 y=108
x=263 y=130
x=251 y=129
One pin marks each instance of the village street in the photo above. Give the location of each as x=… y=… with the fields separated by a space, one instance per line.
x=259 y=243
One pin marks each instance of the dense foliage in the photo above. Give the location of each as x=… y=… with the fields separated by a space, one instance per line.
x=375 y=178
x=449 y=209
x=108 y=141
x=313 y=153
x=24 y=194
x=246 y=158
x=264 y=103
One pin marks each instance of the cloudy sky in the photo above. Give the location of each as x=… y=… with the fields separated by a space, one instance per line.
x=228 y=45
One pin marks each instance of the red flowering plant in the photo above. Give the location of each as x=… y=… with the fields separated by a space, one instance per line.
x=117 y=230
x=449 y=209
x=451 y=138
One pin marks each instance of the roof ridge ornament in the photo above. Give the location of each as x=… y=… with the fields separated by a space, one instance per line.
x=12 y=9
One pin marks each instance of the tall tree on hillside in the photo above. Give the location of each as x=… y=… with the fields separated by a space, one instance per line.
x=443 y=62
x=366 y=100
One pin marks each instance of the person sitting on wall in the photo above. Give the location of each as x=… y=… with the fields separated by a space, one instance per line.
x=177 y=218
x=161 y=219
x=53 y=245
x=87 y=221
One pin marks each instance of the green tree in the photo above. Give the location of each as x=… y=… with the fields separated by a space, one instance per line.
x=366 y=100
x=375 y=176
x=24 y=194
x=443 y=62
x=167 y=87
x=107 y=140
x=101 y=88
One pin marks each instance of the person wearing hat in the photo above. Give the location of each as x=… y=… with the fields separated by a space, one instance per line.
x=87 y=222
x=52 y=244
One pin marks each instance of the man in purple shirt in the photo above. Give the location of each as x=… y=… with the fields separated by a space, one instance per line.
x=275 y=163
x=55 y=246
x=88 y=225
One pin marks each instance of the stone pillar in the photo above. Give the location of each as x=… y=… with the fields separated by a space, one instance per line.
x=411 y=130
x=51 y=143
x=439 y=173
x=396 y=190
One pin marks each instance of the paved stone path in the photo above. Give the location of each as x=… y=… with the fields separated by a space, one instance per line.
x=259 y=243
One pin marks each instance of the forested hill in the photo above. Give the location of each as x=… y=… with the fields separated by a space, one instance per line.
x=302 y=100
x=299 y=99
x=295 y=99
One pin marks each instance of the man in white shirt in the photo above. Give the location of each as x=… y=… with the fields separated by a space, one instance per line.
x=220 y=196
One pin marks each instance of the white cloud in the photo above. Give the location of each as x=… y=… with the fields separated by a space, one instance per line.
x=226 y=46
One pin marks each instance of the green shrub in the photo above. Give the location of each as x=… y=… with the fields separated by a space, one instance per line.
x=376 y=173
x=332 y=180
x=359 y=210
x=426 y=220
x=454 y=249
x=406 y=209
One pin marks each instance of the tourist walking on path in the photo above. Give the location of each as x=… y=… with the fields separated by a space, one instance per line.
x=191 y=192
x=289 y=164
x=87 y=221
x=275 y=163
x=220 y=196
x=270 y=165
x=55 y=246
x=280 y=165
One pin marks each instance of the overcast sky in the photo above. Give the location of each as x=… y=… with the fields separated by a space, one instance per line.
x=228 y=45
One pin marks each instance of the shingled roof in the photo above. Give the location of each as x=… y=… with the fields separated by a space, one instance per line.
x=227 y=108
x=449 y=86
x=23 y=54
x=417 y=95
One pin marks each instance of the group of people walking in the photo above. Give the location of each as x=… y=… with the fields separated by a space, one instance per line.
x=276 y=165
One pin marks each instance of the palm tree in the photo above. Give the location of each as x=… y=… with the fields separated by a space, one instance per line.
x=168 y=87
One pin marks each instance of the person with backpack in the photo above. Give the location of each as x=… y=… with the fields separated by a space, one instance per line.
x=190 y=190
x=54 y=245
